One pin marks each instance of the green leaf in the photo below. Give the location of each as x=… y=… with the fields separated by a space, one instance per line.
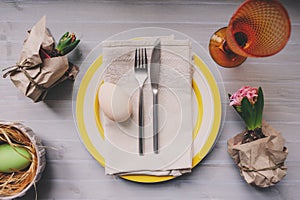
x=259 y=106
x=248 y=113
x=66 y=43
x=63 y=41
x=238 y=109
x=69 y=47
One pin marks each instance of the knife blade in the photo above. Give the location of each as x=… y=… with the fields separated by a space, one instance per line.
x=154 y=79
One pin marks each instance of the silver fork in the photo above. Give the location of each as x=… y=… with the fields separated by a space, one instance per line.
x=141 y=74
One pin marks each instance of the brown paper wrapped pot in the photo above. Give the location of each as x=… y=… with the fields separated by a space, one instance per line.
x=34 y=75
x=261 y=162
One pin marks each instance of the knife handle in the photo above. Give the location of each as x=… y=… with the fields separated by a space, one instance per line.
x=141 y=122
x=155 y=122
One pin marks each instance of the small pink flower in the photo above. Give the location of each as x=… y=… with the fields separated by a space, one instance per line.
x=250 y=110
x=246 y=91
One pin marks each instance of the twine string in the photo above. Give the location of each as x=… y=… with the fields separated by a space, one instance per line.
x=22 y=68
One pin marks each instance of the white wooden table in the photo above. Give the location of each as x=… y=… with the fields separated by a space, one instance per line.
x=72 y=173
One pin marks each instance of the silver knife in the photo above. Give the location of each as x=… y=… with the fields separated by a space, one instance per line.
x=154 y=78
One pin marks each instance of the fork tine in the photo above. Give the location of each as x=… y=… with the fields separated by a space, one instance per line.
x=146 y=59
x=142 y=55
x=135 y=59
x=139 y=58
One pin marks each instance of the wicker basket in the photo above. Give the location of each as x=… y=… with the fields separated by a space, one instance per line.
x=13 y=185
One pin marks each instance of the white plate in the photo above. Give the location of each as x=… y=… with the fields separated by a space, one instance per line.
x=208 y=96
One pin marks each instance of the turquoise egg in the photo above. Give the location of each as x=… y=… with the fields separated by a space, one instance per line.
x=13 y=158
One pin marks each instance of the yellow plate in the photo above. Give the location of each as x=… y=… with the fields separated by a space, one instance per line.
x=92 y=134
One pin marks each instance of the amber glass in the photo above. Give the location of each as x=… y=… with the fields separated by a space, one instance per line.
x=258 y=28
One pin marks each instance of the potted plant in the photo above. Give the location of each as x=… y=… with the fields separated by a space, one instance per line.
x=259 y=150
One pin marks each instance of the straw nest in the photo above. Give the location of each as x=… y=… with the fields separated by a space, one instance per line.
x=14 y=183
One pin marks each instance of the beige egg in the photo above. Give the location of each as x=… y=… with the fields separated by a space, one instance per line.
x=114 y=102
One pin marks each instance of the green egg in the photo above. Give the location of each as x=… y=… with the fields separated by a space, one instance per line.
x=11 y=161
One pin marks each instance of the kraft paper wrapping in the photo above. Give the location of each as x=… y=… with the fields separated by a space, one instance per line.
x=261 y=162
x=34 y=75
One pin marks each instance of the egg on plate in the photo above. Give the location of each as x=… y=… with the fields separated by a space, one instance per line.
x=114 y=102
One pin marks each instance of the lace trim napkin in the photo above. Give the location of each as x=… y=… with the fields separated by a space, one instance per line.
x=175 y=110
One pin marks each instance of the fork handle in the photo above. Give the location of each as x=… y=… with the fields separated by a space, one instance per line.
x=141 y=122
x=155 y=122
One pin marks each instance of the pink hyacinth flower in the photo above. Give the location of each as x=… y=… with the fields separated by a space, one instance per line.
x=246 y=91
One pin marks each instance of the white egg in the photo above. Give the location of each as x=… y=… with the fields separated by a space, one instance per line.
x=114 y=102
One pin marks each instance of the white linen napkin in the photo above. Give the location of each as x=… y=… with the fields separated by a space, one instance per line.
x=175 y=110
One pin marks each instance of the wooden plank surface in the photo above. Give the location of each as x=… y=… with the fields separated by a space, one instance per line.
x=72 y=173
